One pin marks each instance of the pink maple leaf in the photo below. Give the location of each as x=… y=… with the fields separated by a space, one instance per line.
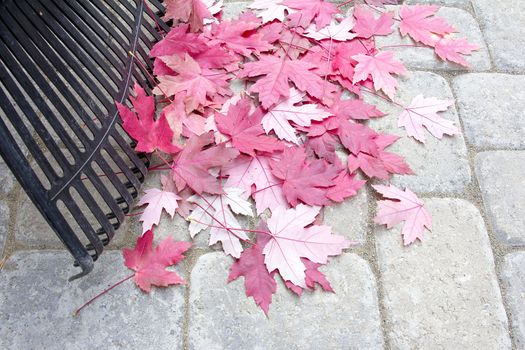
x=192 y=11
x=190 y=167
x=277 y=72
x=380 y=165
x=345 y=186
x=379 y=67
x=178 y=42
x=157 y=200
x=451 y=49
x=422 y=112
x=313 y=276
x=245 y=130
x=419 y=22
x=403 y=206
x=305 y=181
x=355 y=109
x=258 y=282
x=150 y=134
x=366 y=24
x=150 y=264
x=291 y=240
x=319 y=11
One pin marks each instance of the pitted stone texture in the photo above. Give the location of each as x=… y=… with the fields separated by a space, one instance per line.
x=513 y=276
x=7 y=180
x=485 y=100
x=349 y=218
x=501 y=176
x=233 y=9
x=4 y=224
x=37 y=304
x=425 y=58
x=443 y=293
x=440 y=165
x=452 y=3
x=502 y=24
x=222 y=317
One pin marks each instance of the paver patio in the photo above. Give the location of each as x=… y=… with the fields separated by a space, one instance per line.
x=462 y=288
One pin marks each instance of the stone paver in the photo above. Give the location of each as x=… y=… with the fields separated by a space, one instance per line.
x=440 y=165
x=452 y=3
x=37 y=303
x=425 y=58
x=443 y=293
x=501 y=176
x=4 y=224
x=350 y=217
x=492 y=107
x=502 y=24
x=7 y=180
x=222 y=317
x=513 y=276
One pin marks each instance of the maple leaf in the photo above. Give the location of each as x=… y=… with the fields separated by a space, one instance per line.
x=191 y=165
x=278 y=117
x=245 y=130
x=157 y=200
x=344 y=186
x=245 y=172
x=366 y=25
x=313 y=276
x=178 y=42
x=319 y=11
x=423 y=112
x=419 y=22
x=150 y=264
x=380 y=67
x=291 y=240
x=192 y=11
x=273 y=9
x=357 y=137
x=195 y=82
x=303 y=180
x=258 y=282
x=339 y=31
x=216 y=212
x=277 y=72
x=355 y=109
x=150 y=134
x=450 y=49
x=380 y=165
x=403 y=206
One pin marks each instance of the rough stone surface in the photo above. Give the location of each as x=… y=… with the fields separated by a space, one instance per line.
x=35 y=232
x=4 y=224
x=513 y=276
x=502 y=24
x=7 y=180
x=349 y=218
x=443 y=293
x=440 y=165
x=452 y=3
x=492 y=107
x=222 y=317
x=425 y=58
x=501 y=177
x=37 y=303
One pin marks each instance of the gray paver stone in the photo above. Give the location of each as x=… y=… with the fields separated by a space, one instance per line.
x=513 y=276
x=4 y=224
x=425 y=58
x=7 y=180
x=492 y=107
x=37 y=304
x=465 y=4
x=440 y=165
x=349 y=218
x=502 y=24
x=501 y=176
x=443 y=293
x=222 y=317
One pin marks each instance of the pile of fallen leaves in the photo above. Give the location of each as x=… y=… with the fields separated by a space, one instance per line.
x=266 y=110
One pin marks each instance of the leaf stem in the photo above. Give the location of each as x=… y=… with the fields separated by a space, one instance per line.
x=101 y=294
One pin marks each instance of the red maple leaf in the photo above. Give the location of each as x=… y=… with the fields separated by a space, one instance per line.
x=305 y=181
x=245 y=129
x=191 y=165
x=277 y=72
x=451 y=49
x=178 y=42
x=313 y=276
x=345 y=186
x=309 y=10
x=419 y=22
x=150 y=264
x=258 y=282
x=150 y=134
x=366 y=25
x=192 y=11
